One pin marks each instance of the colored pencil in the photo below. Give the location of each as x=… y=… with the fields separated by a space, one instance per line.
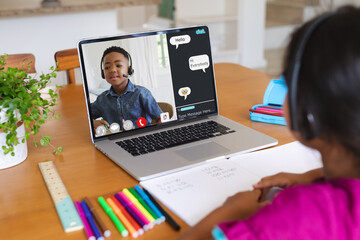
x=124 y=232
x=133 y=222
x=122 y=218
x=136 y=210
x=131 y=211
x=269 y=110
x=87 y=228
x=138 y=205
x=169 y=219
x=144 y=204
x=97 y=218
x=272 y=107
x=265 y=112
x=149 y=202
x=91 y=221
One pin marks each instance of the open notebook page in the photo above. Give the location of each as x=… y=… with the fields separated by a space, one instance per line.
x=193 y=193
x=293 y=157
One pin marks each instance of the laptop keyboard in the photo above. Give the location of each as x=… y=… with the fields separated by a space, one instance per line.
x=174 y=137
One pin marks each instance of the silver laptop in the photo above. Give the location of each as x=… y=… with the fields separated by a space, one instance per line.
x=151 y=102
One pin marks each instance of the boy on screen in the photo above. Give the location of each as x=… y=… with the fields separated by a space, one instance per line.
x=125 y=103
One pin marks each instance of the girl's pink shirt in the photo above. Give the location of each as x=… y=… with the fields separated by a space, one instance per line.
x=321 y=210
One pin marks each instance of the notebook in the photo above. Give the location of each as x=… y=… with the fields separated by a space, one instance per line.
x=151 y=102
x=194 y=193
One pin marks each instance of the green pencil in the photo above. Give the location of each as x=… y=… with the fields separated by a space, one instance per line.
x=113 y=217
x=137 y=196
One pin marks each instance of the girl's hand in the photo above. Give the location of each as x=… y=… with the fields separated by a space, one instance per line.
x=285 y=180
x=244 y=204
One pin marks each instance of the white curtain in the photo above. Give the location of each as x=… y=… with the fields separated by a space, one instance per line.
x=144 y=55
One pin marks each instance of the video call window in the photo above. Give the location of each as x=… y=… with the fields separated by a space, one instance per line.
x=121 y=100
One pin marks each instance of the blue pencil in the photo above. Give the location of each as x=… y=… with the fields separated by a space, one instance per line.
x=149 y=202
x=91 y=221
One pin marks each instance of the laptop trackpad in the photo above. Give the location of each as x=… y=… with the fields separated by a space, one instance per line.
x=202 y=151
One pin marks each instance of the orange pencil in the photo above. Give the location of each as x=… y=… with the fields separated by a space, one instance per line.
x=128 y=216
x=122 y=218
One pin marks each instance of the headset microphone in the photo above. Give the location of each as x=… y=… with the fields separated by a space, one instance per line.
x=126 y=76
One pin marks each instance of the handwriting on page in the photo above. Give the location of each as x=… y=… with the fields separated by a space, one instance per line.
x=174 y=185
x=219 y=173
x=215 y=173
x=195 y=192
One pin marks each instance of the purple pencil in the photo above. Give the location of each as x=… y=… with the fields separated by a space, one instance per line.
x=87 y=228
x=137 y=218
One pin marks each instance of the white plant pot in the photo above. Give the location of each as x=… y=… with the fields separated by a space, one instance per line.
x=20 y=150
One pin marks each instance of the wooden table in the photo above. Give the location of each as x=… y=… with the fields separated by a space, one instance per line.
x=26 y=209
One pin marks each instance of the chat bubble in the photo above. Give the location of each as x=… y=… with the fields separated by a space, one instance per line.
x=178 y=40
x=184 y=92
x=199 y=62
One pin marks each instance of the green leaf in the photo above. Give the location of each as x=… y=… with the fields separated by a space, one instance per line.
x=47 y=138
x=60 y=149
x=33 y=88
x=43 y=142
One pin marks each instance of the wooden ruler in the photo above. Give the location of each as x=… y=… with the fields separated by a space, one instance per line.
x=64 y=205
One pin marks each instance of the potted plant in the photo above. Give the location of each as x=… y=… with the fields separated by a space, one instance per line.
x=23 y=109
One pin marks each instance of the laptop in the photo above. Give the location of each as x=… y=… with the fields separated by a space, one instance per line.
x=151 y=102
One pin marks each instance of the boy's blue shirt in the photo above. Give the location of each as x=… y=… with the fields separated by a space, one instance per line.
x=135 y=102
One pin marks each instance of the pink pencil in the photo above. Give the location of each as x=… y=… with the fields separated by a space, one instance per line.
x=87 y=228
x=136 y=210
x=269 y=110
x=266 y=106
x=266 y=112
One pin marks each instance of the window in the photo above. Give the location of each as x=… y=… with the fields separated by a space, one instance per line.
x=163 y=54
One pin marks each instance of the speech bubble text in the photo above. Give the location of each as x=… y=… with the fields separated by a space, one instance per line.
x=184 y=92
x=199 y=62
x=178 y=40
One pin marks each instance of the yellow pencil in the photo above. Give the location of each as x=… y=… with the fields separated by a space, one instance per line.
x=138 y=205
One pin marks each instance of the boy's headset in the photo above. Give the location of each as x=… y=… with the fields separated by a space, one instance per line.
x=310 y=129
x=126 y=54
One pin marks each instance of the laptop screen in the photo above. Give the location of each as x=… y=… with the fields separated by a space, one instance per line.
x=148 y=79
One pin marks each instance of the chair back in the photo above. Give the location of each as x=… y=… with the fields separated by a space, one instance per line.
x=67 y=60
x=21 y=61
x=165 y=107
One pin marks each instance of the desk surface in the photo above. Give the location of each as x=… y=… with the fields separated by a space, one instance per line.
x=26 y=209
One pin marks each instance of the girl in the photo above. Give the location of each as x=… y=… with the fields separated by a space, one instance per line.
x=322 y=71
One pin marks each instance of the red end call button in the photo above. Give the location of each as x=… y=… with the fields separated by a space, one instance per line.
x=141 y=122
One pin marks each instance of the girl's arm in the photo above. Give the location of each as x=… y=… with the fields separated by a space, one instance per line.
x=237 y=207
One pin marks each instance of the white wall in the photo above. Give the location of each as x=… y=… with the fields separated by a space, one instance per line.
x=44 y=35
x=338 y=3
